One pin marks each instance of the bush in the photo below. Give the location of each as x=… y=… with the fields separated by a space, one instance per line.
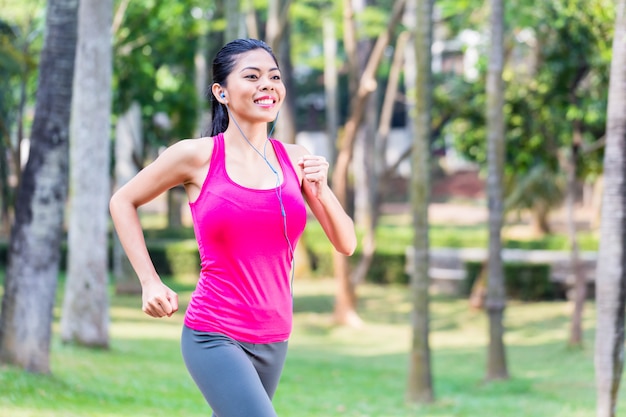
x=183 y=258
x=174 y=253
x=386 y=267
x=523 y=281
x=174 y=257
x=4 y=253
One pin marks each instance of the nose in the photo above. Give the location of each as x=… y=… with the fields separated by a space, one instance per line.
x=267 y=84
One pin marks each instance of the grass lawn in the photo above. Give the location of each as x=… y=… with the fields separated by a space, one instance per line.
x=330 y=371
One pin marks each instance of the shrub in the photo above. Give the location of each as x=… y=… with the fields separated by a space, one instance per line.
x=523 y=281
x=386 y=267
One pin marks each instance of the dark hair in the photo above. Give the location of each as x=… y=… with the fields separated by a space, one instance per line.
x=223 y=64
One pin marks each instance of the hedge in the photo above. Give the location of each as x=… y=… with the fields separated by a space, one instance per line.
x=522 y=281
x=176 y=254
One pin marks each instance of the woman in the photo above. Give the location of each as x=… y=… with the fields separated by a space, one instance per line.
x=247 y=196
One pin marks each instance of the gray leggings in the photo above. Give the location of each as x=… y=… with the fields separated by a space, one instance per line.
x=237 y=379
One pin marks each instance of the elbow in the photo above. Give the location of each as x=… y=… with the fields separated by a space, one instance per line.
x=348 y=247
x=119 y=206
x=351 y=249
x=347 y=251
x=113 y=204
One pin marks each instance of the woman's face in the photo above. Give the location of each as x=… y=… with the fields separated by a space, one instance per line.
x=254 y=89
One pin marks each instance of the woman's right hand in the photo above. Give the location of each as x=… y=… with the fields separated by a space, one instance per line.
x=158 y=300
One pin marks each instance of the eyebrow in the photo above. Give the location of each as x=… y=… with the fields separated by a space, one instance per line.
x=258 y=69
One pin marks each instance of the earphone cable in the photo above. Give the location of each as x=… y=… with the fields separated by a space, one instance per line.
x=278 y=189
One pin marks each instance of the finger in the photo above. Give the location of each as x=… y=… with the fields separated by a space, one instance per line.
x=312 y=160
x=151 y=311
x=165 y=307
x=173 y=299
x=158 y=307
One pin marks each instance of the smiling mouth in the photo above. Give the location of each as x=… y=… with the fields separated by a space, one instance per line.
x=265 y=101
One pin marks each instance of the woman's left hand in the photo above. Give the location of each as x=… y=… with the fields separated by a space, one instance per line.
x=314 y=173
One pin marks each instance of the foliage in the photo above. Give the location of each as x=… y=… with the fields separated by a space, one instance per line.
x=21 y=28
x=154 y=65
x=539 y=190
x=556 y=76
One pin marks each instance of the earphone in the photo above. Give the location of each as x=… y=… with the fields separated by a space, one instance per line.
x=222 y=95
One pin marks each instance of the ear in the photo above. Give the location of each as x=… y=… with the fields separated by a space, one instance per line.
x=218 y=93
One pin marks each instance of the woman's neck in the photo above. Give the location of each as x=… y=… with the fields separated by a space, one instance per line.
x=246 y=135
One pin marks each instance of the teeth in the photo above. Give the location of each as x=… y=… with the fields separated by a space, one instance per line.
x=267 y=101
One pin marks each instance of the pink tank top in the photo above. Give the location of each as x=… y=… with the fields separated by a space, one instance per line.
x=244 y=289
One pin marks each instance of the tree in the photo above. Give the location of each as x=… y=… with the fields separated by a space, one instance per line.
x=277 y=30
x=19 y=51
x=345 y=299
x=85 y=315
x=611 y=268
x=128 y=149
x=557 y=70
x=378 y=172
x=420 y=388
x=330 y=77
x=35 y=246
x=496 y=297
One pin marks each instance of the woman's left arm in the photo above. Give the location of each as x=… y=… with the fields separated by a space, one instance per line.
x=336 y=223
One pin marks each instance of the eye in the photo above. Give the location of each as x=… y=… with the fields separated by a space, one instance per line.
x=276 y=77
x=251 y=76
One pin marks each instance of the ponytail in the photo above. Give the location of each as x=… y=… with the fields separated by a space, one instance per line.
x=219 y=117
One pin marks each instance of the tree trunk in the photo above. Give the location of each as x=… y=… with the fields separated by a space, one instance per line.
x=85 y=315
x=286 y=125
x=128 y=148
x=539 y=223
x=201 y=81
x=234 y=19
x=5 y=190
x=330 y=81
x=35 y=247
x=364 y=171
x=496 y=297
x=366 y=85
x=611 y=268
x=420 y=386
x=363 y=166
x=277 y=35
x=580 y=280
x=252 y=26
x=380 y=168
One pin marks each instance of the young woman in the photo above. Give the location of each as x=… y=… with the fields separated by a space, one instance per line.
x=247 y=195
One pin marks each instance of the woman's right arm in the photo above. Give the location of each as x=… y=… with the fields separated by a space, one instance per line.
x=174 y=166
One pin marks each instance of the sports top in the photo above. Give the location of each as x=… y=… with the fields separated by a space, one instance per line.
x=246 y=252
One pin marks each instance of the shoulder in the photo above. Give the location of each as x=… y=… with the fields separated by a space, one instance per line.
x=183 y=161
x=295 y=151
x=190 y=151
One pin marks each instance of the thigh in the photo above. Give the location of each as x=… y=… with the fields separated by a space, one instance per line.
x=225 y=375
x=268 y=360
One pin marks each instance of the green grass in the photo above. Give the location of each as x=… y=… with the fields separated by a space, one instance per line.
x=330 y=371
x=397 y=236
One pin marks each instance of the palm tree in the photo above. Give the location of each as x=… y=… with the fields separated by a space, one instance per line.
x=35 y=247
x=611 y=268
x=496 y=298
x=85 y=314
x=420 y=388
